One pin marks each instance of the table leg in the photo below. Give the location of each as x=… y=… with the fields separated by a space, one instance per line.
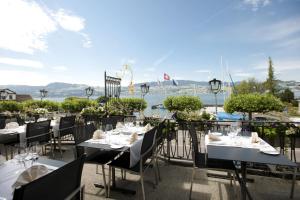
x=113 y=177
x=293 y=183
x=243 y=188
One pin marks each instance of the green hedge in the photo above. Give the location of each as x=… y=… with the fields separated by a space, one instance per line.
x=74 y=105
x=11 y=106
x=49 y=105
x=183 y=103
x=126 y=106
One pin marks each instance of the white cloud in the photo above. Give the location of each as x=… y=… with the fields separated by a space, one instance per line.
x=280 y=30
x=163 y=58
x=21 y=62
x=17 y=77
x=68 y=21
x=256 y=4
x=86 y=41
x=243 y=74
x=60 y=68
x=203 y=71
x=279 y=65
x=25 y=25
x=151 y=69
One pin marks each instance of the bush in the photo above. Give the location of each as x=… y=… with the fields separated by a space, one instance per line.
x=34 y=104
x=99 y=111
x=183 y=103
x=126 y=106
x=74 y=105
x=249 y=103
x=11 y=106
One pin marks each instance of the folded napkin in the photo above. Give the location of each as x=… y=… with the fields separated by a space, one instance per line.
x=148 y=127
x=134 y=136
x=98 y=134
x=213 y=137
x=119 y=125
x=30 y=174
x=254 y=137
x=11 y=125
x=42 y=119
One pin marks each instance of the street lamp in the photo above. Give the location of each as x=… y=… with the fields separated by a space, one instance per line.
x=43 y=93
x=3 y=95
x=144 y=89
x=89 y=91
x=215 y=87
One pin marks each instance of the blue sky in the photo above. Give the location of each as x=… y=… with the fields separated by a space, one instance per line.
x=76 y=41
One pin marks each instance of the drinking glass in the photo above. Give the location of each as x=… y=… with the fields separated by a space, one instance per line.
x=108 y=128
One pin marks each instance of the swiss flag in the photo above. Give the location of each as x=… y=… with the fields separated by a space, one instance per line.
x=166 y=77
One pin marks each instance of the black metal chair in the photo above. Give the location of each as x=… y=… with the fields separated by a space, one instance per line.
x=93 y=155
x=147 y=153
x=201 y=161
x=63 y=183
x=39 y=132
x=65 y=132
x=159 y=142
x=2 y=123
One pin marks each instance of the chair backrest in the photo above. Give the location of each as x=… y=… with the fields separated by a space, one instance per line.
x=81 y=134
x=38 y=131
x=66 y=125
x=159 y=133
x=59 y=184
x=2 y=123
x=198 y=158
x=148 y=144
x=113 y=120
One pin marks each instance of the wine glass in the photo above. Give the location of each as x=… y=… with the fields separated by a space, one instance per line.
x=108 y=128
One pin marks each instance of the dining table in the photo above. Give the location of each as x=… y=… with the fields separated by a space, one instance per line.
x=11 y=170
x=119 y=139
x=242 y=149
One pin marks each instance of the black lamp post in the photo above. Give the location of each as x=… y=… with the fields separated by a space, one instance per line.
x=89 y=91
x=144 y=89
x=3 y=95
x=43 y=93
x=215 y=87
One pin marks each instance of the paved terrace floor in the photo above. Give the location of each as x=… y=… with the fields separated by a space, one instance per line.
x=176 y=182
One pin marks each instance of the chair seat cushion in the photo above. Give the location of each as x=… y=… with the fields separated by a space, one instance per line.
x=124 y=162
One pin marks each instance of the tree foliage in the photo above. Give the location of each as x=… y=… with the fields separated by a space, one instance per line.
x=11 y=106
x=271 y=83
x=250 y=86
x=34 y=104
x=249 y=103
x=126 y=106
x=286 y=95
x=183 y=103
x=74 y=105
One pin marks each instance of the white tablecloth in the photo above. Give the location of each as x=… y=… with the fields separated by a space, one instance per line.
x=240 y=141
x=9 y=172
x=121 y=138
x=20 y=130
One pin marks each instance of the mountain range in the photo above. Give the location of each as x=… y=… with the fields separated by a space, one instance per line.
x=60 y=89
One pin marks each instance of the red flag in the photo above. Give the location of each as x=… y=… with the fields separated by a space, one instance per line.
x=166 y=77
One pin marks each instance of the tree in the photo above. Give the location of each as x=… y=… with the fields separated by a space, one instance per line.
x=287 y=95
x=249 y=103
x=183 y=103
x=271 y=82
x=250 y=86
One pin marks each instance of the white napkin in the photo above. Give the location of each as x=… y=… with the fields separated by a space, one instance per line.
x=12 y=125
x=213 y=137
x=119 y=125
x=134 y=136
x=254 y=137
x=148 y=127
x=98 y=134
x=30 y=174
x=42 y=119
